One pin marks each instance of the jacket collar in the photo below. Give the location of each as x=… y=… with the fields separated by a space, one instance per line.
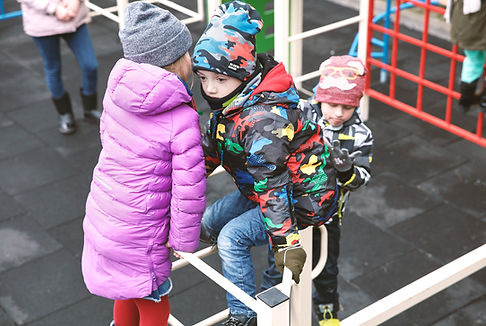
x=273 y=85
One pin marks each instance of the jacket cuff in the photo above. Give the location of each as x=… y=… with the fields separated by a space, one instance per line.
x=279 y=242
x=346 y=175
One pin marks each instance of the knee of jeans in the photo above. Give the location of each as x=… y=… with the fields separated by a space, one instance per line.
x=227 y=241
x=90 y=67
x=53 y=70
x=207 y=236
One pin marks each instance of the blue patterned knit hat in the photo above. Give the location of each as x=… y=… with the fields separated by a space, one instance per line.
x=227 y=46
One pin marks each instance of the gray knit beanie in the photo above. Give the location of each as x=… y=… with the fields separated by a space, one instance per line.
x=153 y=35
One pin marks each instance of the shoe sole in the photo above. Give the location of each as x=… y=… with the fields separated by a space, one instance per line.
x=67 y=132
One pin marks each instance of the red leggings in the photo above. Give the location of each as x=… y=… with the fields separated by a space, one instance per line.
x=141 y=312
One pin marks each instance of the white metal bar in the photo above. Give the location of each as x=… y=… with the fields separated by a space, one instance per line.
x=296 y=38
x=281 y=32
x=200 y=254
x=101 y=11
x=200 y=9
x=301 y=298
x=364 y=7
x=277 y=315
x=190 y=20
x=218 y=170
x=95 y=13
x=121 y=4
x=296 y=23
x=364 y=107
x=323 y=253
x=286 y=286
x=212 y=5
x=419 y=290
x=179 y=8
x=324 y=29
x=306 y=92
x=174 y=322
x=221 y=281
x=308 y=76
x=213 y=319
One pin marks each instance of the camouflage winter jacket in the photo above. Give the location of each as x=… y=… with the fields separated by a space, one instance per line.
x=353 y=135
x=275 y=156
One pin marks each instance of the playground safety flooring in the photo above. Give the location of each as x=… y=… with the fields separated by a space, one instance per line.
x=424 y=207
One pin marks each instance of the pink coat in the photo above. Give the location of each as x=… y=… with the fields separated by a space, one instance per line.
x=148 y=186
x=39 y=19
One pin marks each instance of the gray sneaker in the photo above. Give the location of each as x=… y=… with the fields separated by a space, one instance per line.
x=240 y=320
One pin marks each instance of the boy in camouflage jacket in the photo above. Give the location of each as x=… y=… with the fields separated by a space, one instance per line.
x=334 y=108
x=276 y=157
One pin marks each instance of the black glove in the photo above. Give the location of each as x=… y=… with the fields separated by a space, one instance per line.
x=340 y=158
x=293 y=258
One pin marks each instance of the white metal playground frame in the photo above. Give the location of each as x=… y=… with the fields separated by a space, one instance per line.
x=119 y=9
x=286 y=304
x=288 y=49
x=288 y=36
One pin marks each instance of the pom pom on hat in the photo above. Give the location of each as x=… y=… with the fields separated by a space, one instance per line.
x=342 y=80
x=227 y=46
x=153 y=35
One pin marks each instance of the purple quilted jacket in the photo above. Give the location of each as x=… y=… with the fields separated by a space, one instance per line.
x=148 y=186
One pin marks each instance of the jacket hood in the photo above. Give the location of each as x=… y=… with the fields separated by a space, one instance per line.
x=272 y=86
x=145 y=89
x=275 y=78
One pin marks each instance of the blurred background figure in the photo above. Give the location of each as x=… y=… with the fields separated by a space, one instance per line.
x=468 y=29
x=47 y=21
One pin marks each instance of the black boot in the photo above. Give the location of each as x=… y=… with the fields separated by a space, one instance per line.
x=89 y=107
x=482 y=100
x=63 y=106
x=468 y=95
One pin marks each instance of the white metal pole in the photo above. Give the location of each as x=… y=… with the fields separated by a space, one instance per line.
x=274 y=316
x=281 y=31
x=323 y=253
x=364 y=8
x=325 y=28
x=199 y=254
x=279 y=313
x=221 y=281
x=301 y=298
x=174 y=321
x=106 y=12
x=296 y=18
x=121 y=4
x=213 y=319
x=200 y=9
x=179 y=8
x=419 y=290
x=212 y=5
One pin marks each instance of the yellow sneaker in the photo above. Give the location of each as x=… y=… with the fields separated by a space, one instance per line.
x=327 y=318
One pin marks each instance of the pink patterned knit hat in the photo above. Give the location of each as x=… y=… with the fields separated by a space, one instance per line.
x=342 y=80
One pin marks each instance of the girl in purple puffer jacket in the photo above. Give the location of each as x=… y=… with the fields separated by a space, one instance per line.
x=147 y=193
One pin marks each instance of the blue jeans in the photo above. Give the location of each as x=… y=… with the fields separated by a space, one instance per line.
x=326 y=283
x=236 y=223
x=80 y=43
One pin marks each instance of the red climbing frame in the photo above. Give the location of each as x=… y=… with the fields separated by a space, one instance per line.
x=475 y=136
